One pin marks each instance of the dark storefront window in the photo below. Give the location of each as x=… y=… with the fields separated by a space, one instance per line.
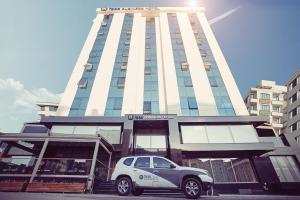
x=19 y=157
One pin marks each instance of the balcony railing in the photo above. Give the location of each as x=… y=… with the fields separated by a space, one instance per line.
x=17 y=165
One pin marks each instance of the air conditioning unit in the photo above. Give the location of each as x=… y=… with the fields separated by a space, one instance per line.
x=207 y=66
x=184 y=66
x=88 y=67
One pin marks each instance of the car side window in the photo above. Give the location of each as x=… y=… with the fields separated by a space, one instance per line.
x=142 y=162
x=161 y=163
x=128 y=161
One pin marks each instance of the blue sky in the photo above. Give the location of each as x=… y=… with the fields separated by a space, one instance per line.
x=40 y=41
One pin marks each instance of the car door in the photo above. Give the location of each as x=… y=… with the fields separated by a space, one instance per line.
x=165 y=175
x=142 y=172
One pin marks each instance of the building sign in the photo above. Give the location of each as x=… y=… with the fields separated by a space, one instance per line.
x=129 y=9
x=150 y=117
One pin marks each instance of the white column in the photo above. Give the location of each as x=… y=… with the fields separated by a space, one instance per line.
x=202 y=89
x=172 y=93
x=70 y=91
x=98 y=97
x=160 y=70
x=232 y=89
x=134 y=83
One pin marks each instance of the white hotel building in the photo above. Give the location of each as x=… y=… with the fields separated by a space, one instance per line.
x=147 y=81
x=151 y=61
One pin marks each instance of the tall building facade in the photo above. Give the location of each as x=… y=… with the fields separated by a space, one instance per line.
x=267 y=99
x=148 y=81
x=151 y=61
x=292 y=122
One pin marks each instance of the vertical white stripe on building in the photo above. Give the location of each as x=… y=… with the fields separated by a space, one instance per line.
x=232 y=89
x=172 y=93
x=134 y=83
x=70 y=91
x=202 y=89
x=98 y=97
x=160 y=70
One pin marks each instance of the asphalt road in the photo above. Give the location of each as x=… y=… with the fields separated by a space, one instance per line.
x=48 y=196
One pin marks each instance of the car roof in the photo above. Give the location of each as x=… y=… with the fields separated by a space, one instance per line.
x=142 y=156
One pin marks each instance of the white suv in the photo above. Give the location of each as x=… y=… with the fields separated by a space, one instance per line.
x=136 y=173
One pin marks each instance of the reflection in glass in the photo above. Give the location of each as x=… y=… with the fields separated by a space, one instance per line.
x=65 y=166
x=17 y=165
x=225 y=170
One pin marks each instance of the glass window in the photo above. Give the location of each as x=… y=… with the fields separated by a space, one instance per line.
x=62 y=129
x=244 y=133
x=111 y=133
x=118 y=103
x=188 y=82
x=147 y=107
x=128 y=161
x=121 y=82
x=193 y=134
x=192 y=103
x=85 y=130
x=142 y=162
x=147 y=70
x=264 y=96
x=161 y=163
x=151 y=141
x=35 y=129
x=265 y=107
x=219 y=134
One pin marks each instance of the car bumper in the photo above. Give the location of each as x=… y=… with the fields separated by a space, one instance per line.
x=207 y=185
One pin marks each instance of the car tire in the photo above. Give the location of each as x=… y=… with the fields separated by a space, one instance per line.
x=137 y=192
x=192 y=188
x=123 y=186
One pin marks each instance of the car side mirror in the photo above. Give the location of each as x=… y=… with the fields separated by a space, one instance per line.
x=172 y=166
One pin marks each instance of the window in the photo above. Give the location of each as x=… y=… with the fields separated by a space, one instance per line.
x=125 y=54
x=293 y=98
x=192 y=103
x=118 y=103
x=42 y=108
x=142 y=162
x=276 y=108
x=147 y=107
x=121 y=82
x=188 y=82
x=128 y=161
x=184 y=66
x=264 y=96
x=52 y=108
x=219 y=134
x=294 y=127
x=147 y=70
x=244 y=134
x=276 y=97
x=83 y=83
x=265 y=107
x=147 y=59
x=128 y=33
x=199 y=42
x=151 y=141
x=148 y=36
x=193 y=134
x=213 y=81
x=161 y=163
x=88 y=67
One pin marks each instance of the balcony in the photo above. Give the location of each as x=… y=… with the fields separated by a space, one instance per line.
x=253 y=100
x=264 y=101
x=253 y=112
x=264 y=112
x=277 y=102
x=277 y=114
x=277 y=125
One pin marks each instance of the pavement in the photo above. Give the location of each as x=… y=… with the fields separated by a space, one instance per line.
x=51 y=196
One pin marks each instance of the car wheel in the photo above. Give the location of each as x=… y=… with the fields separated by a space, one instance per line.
x=137 y=192
x=192 y=188
x=123 y=186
